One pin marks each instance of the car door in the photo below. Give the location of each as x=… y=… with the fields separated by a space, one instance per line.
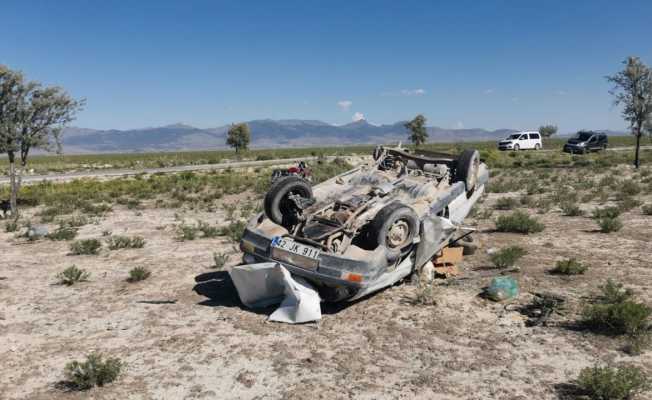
x=524 y=142
x=534 y=140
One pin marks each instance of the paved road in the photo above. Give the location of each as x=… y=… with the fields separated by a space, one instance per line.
x=202 y=167
x=111 y=173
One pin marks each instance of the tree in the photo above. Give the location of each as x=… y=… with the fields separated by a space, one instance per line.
x=239 y=136
x=417 y=130
x=547 y=130
x=633 y=90
x=31 y=116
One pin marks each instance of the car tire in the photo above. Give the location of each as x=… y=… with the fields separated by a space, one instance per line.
x=278 y=207
x=537 y=146
x=466 y=170
x=517 y=147
x=395 y=226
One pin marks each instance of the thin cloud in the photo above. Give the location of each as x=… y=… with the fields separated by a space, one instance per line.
x=488 y=91
x=344 y=105
x=406 y=92
x=358 y=116
x=459 y=125
x=561 y=93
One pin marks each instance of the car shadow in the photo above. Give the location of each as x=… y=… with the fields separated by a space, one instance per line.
x=219 y=290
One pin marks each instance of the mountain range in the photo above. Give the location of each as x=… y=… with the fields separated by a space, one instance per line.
x=265 y=133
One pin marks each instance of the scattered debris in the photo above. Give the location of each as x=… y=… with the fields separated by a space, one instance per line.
x=157 y=301
x=502 y=288
x=542 y=307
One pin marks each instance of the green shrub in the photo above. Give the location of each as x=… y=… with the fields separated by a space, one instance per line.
x=629 y=188
x=187 y=232
x=518 y=222
x=63 y=233
x=569 y=267
x=72 y=275
x=11 y=226
x=608 y=225
x=506 y=203
x=234 y=230
x=612 y=383
x=614 y=311
x=138 y=274
x=95 y=371
x=85 y=247
x=606 y=212
x=208 y=231
x=75 y=221
x=219 y=260
x=628 y=203
x=571 y=209
x=425 y=295
x=125 y=242
x=507 y=257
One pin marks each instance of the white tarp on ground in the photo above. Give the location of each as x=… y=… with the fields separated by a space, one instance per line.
x=264 y=284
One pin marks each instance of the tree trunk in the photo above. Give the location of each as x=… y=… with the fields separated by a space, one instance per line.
x=637 y=161
x=13 y=201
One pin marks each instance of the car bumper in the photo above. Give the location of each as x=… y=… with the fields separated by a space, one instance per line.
x=505 y=146
x=332 y=270
x=569 y=148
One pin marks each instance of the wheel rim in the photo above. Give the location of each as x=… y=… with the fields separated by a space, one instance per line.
x=398 y=234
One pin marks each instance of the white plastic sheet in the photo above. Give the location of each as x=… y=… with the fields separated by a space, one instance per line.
x=265 y=284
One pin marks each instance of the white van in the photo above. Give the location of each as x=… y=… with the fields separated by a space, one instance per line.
x=521 y=141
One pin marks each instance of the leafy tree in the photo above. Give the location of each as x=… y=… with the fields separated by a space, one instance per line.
x=633 y=90
x=547 y=130
x=239 y=137
x=31 y=116
x=417 y=130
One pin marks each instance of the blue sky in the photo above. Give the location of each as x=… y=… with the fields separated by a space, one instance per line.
x=489 y=64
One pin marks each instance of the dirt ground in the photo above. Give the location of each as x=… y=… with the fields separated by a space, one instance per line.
x=205 y=345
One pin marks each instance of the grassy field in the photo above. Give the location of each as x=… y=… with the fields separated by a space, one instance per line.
x=61 y=163
x=135 y=269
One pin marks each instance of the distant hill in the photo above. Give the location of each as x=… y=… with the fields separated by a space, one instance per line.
x=265 y=133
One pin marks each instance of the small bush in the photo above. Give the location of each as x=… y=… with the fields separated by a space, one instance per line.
x=629 y=188
x=63 y=233
x=628 y=203
x=125 y=242
x=219 y=260
x=606 y=212
x=72 y=275
x=615 y=312
x=569 y=267
x=608 y=225
x=95 y=371
x=506 y=203
x=187 y=232
x=425 y=295
x=208 y=231
x=138 y=274
x=234 y=230
x=571 y=209
x=75 y=221
x=612 y=383
x=11 y=226
x=507 y=257
x=85 y=247
x=518 y=222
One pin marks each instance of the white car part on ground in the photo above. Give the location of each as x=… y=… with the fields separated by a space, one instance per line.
x=264 y=284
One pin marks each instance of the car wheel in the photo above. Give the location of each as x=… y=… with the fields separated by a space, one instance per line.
x=537 y=146
x=466 y=170
x=395 y=226
x=517 y=147
x=278 y=205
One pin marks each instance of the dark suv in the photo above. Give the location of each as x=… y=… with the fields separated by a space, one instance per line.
x=585 y=141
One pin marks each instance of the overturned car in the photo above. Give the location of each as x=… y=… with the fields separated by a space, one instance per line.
x=370 y=227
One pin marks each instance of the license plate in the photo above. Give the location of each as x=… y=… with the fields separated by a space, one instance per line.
x=287 y=250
